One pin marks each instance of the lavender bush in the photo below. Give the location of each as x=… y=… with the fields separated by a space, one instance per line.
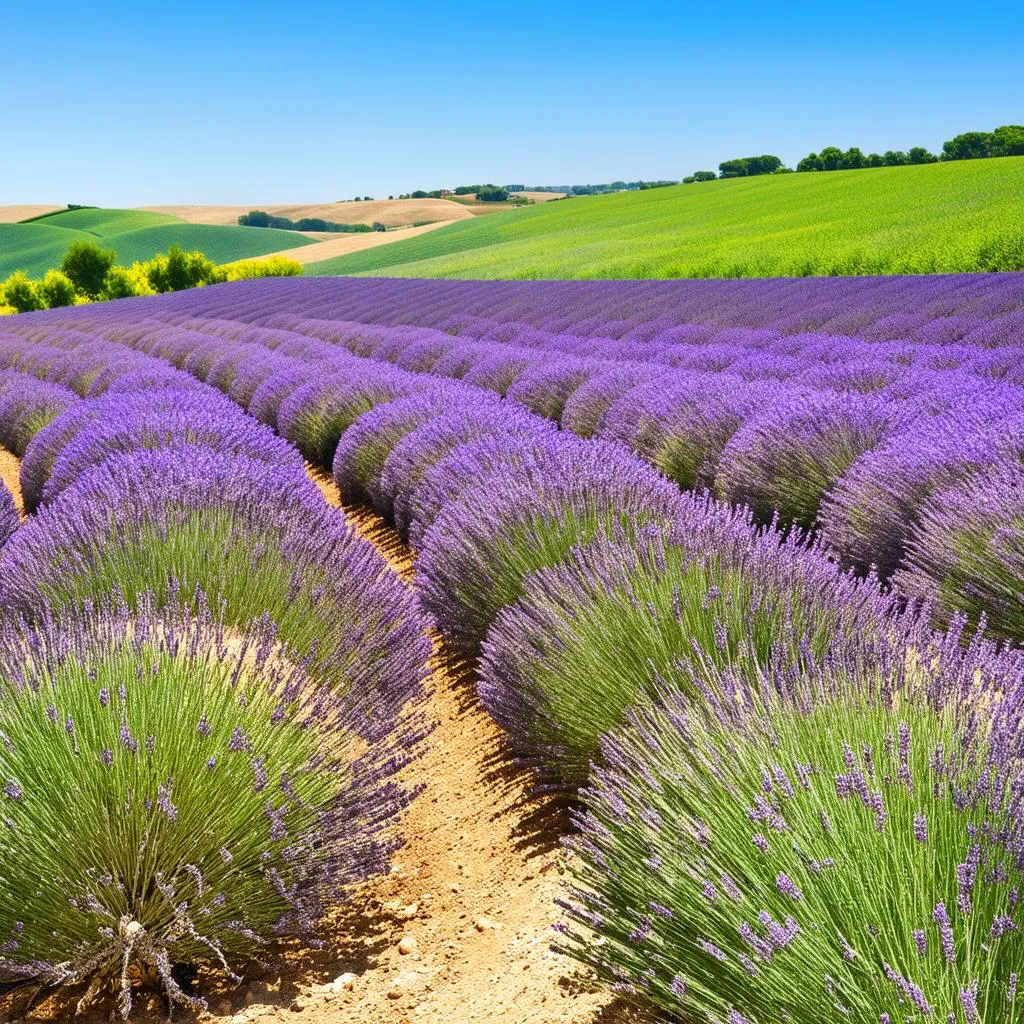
x=847 y=846
x=466 y=468
x=159 y=420
x=211 y=797
x=26 y=406
x=967 y=553
x=9 y=520
x=786 y=459
x=584 y=410
x=364 y=447
x=875 y=506
x=256 y=540
x=315 y=415
x=420 y=449
x=713 y=592
x=682 y=425
x=477 y=554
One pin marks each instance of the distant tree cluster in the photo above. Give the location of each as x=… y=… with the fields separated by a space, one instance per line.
x=1007 y=140
x=749 y=166
x=741 y=167
x=262 y=219
x=568 y=190
x=480 y=191
x=89 y=273
x=832 y=158
x=597 y=190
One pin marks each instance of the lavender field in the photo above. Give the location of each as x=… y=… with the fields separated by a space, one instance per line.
x=736 y=567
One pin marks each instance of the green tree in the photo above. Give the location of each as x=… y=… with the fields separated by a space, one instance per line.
x=831 y=158
x=56 y=289
x=86 y=264
x=811 y=162
x=853 y=159
x=874 y=160
x=920 y=155
x=21 y=293
x=748 y=166
x=255 y=219
x=179 y=270
x=894 y=158
x=968 y=146
x=121 y=283
x=492 y=194
x=1008 y=140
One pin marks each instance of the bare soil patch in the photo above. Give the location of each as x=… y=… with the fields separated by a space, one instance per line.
x=540 y=197
x=10 y=470
x=392 y=212
x=341 y=245
x=12 y=214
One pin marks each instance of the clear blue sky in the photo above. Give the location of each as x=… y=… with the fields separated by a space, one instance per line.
x=137 y=103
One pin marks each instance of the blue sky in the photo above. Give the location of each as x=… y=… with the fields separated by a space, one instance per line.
x=275 y=102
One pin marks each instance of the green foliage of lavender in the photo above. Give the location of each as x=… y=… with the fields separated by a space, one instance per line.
x=255 y=539
x=478 y=553
x=967 y=553
x=615 y=620
x=166 y=788
x=848 y=851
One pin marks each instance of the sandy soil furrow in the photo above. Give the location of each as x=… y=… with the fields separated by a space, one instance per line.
x=474 y=887
x=10 y=469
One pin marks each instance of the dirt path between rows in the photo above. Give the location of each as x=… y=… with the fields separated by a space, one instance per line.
x=10 y=476
x=344 y=245
x=460 y=929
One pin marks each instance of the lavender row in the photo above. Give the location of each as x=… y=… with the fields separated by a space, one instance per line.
x=856 y=435
x=773 y=696
x=192 y=637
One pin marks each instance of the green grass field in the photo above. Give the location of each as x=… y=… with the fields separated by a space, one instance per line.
x=39 y=245
x=935 y=218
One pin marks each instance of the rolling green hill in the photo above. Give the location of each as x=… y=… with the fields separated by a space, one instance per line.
x=39 y=245
x=221 y=244
x=102 y=222
x=946 y=217
x=34 y=248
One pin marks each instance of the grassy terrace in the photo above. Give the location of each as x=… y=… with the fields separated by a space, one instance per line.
x=934 y=218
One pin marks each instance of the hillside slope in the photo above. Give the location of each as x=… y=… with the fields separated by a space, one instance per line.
x=102 y=222
x=35 y=248
x=134 y=235
x=946 y=217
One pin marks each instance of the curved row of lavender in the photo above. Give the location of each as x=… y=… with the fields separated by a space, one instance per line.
x=858 y=409
x=209 y=680
x=772 y=737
